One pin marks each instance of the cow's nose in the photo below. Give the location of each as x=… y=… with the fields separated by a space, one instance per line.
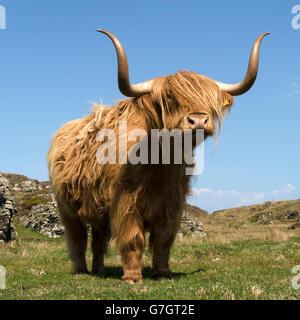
x=197 y=122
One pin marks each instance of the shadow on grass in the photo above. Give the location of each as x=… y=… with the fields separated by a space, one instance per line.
x=117 y=272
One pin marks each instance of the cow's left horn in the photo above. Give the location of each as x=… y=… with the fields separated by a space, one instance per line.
x=242 y=87
x=129 y=90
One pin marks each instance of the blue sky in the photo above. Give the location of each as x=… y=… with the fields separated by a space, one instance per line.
x=53 y=64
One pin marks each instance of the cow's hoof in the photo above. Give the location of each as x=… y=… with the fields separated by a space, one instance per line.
x=160 y=276
x=132 y=277
x=132 y=281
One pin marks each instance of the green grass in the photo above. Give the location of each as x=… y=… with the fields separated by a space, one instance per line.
x=38 y=200
x=39 y=268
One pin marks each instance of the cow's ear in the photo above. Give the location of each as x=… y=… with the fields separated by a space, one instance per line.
x=227 y=101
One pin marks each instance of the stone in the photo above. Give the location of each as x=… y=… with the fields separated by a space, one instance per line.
x=294 y=226
x=292 y=214
x=7 y=210
x=44 y=218
x=192 y=226
x=26 y=186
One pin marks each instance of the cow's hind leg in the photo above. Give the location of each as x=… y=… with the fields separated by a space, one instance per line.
x=76 y=239
x=161 y=240
x=99 y=246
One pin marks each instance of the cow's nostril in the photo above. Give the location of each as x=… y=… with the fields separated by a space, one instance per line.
x=191 y=121
x=206 y=120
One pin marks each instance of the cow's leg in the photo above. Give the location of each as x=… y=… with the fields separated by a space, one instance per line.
x=99 y=246
x=76 y=239
x=131 y=254
x=127 y=227
x=161 y=240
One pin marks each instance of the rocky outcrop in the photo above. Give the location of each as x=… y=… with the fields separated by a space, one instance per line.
x=270 y=217
x=44 y=218
x=36 y=204
x=20 y=183
x=26 y=186
x=191 y=226
x=7 y=210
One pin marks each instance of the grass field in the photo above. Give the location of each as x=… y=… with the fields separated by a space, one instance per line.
x=220 y=268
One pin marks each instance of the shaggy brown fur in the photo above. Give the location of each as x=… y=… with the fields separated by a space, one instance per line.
x=126 y=200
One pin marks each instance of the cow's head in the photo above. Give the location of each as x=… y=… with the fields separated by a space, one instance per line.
x=187 y=99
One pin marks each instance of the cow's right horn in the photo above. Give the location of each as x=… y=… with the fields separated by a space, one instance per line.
x=129 y=90
x=242 y=87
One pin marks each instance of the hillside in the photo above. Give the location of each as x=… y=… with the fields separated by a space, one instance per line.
x=270 y=220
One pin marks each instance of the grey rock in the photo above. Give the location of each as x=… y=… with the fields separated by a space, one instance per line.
x=7 y=210
x=191 y=226
x=294 y=226
x=26 y=186
x=292 y=214
x=44 y=218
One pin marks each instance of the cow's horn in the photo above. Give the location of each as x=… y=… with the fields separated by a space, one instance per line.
x=242 y=87
x=129 y=90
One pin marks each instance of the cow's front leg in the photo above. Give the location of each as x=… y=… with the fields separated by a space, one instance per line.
x=132 y=261
x=127 y=227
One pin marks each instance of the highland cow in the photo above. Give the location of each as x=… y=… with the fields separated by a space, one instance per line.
x=123 y=201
